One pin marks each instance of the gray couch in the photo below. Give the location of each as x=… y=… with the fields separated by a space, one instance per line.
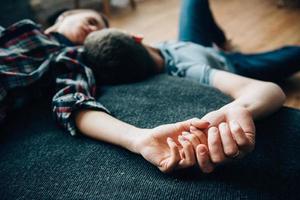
x=40 y=161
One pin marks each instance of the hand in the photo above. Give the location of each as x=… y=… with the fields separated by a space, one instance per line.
x=165 y=147
x=231 y=135
x=234 y=125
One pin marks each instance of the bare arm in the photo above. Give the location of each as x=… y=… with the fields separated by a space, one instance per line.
x=101 y=126
x=156 y=145
x=258 y=97
x=232 y=132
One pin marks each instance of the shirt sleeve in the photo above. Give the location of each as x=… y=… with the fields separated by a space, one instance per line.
x=211 y=77
x=200 y=73
x=75 y=88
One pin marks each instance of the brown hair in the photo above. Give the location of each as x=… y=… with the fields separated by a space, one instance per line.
x=116 y=57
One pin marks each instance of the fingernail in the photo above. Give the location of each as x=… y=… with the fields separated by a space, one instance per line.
x=185 y=133
x=180 y=138
x=222 y=125
x=213 y=129
x=234 y=124
x=208 y=123
x=203 y=121
x=202 y=151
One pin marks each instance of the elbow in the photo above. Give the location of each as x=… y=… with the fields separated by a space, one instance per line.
x=279 y=95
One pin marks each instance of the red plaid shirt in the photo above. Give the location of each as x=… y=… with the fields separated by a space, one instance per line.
x=27 y=56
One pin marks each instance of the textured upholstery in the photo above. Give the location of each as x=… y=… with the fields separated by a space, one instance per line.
x=40 y=161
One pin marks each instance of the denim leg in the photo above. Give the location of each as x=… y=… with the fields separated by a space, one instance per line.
x=197 y=24
x=274 y=65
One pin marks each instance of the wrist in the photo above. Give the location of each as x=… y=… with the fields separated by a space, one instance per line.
x=235 y=105
x=134 y=140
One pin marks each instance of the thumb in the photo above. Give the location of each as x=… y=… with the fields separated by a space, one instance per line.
x=198 y=123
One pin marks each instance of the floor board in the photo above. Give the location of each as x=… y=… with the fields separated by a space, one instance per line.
x=254 y=26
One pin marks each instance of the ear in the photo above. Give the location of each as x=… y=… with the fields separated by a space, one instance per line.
x=138 y=38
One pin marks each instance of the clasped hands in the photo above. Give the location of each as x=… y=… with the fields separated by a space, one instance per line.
x=218 y=137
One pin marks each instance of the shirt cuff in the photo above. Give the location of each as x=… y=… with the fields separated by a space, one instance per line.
x=211 y=75
x=81 y=103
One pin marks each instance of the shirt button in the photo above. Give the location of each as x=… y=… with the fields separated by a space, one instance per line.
x=79 y=96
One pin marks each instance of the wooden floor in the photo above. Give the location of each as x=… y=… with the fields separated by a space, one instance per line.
x=253 y=26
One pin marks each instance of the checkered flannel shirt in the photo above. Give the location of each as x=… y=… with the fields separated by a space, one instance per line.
x=27 y=54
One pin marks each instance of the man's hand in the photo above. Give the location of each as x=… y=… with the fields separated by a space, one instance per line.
x=231 y=135
x=166 y=148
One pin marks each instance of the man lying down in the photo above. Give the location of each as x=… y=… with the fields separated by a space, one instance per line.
x=222 y=135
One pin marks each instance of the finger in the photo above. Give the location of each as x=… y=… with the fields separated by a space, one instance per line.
x=183 y=126
x=204 y=162
x=246 y=119
x=215 y=146
x=214 y=118
x=229 y=145
x=189 y=154
x=199 y=123
x=192 y=138
x=200 y=134
x=251 y=141
x=174 y=158
x=238 y=134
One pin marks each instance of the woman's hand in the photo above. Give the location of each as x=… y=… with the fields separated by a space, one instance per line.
x=165 y=147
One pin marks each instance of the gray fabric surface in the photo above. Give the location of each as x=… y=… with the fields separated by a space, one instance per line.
x=39 y=161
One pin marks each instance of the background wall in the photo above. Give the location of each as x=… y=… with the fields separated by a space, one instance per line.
x=14 y=10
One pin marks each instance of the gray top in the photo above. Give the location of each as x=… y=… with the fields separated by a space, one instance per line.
x=192 y=61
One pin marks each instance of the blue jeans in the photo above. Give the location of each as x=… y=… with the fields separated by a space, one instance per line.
x=273 y=66
x=198 y=25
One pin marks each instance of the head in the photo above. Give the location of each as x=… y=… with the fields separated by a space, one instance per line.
x=116 y=57
x=76 y=25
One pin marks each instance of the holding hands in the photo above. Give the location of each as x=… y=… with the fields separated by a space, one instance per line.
x=218 y=137
x=165 y=146
x=231 y=135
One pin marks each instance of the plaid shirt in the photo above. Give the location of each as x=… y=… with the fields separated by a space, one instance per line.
x=27 y=55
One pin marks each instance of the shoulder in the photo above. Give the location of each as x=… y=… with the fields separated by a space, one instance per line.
x=25 y=25
x=19 y=31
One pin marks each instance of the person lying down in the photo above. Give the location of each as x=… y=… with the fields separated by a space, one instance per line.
x=116 y=57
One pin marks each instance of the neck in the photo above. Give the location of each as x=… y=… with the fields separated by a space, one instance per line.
x=157 y=57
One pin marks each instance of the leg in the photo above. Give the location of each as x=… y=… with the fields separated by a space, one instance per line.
x=274 y=66
x=133 y=4
x=76 y=4
x=106 y=7
x=198 y=25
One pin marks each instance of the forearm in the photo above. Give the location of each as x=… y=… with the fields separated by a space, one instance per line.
x=156 y=145
x=101 y=126
x=258 y=97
